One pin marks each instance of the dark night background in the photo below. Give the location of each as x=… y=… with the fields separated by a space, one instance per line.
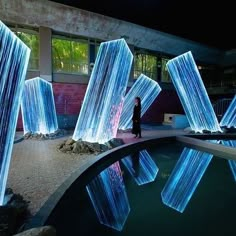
x=208 y=22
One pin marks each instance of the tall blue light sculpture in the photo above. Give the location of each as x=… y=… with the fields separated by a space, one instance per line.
x=185 y=178
x=141 y=167
x=145 y=88
x=38 y=107
x=14 y=57
x=109 y=198
x=103 y=102
x=232 y=163
x=192 y=93
x=229 y=118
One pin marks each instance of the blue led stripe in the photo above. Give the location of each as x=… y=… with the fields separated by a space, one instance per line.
x=141 y=166
x=103 y=102
x=145 y=88
x=14 y=58
x=232 y=163
x=38 y=107
x=229 y=118
x=108 y=195
x=192 y=93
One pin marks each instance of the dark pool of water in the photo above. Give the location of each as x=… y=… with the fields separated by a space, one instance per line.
x=211 y=210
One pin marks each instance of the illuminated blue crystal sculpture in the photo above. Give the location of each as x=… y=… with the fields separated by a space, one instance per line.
x=229 y=118
x=232 y=163
x=108 y=195
x=184 y=178
x=192 y=93
x=14 y=57
x=141 y=166
x=145 y=88
x=103 y=102
x=38 y=108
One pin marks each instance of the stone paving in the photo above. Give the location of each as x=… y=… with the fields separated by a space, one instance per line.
x=37 y=168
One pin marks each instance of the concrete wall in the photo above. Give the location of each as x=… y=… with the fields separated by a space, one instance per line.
x=67 y=19
x=229 y=58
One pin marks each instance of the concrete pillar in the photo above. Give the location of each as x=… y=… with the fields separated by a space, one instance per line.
x=45 y=49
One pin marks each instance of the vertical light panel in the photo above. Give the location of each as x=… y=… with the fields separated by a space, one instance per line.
x=192 y=93
x=145 y=88
x=232 y=163
x=14 y=57
x=141 y=167
x=103 y=102
x=229 y=118
x=184 y=178
x=38 y=107
x=109 y=198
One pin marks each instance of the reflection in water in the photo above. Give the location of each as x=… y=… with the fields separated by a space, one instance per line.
x=232 y=163
x=108 y=195
x=185 y=177
x=141 y=166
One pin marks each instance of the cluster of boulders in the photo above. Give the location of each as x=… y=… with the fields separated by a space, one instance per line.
x=36 y=136
x=13 y=213
x=83 y=147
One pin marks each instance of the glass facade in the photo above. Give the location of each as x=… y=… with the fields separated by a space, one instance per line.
x=70 y=56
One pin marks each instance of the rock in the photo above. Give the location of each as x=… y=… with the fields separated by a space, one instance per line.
x=206 y=131
x=60 y=146
x=13 y=213
x=83 y=147
x=36 y=136
x=91 y=147
x=28 y=135
x=66 y=148
x=40 y=231
x=103 y=147
x=70 y=141
x=8 y=218
x=96 y=147
x=115 y=142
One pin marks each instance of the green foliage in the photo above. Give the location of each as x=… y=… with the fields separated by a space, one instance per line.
x=146 y=64
x=32 y=41
x=165 y=77
x=70 y=56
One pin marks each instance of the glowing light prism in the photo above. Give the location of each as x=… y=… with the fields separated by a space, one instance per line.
x=229 y=118
x=103 y=102
x=145 y=88
x=232 y=163
x=141 y=167
x=192 y=93
x=14 y=58
x=185 y=178
x=38 y=107
x=108 y=195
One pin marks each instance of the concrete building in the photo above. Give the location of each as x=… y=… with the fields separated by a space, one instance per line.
x=49 y=24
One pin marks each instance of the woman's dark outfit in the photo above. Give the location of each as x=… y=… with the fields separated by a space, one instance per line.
x=136 y=121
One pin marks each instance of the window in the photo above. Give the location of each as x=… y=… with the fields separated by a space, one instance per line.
x=31 y=39
x=165 y=77
x=70 y=55
x=146 y=64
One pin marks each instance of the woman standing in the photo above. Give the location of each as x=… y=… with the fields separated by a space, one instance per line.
x=136 y=118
